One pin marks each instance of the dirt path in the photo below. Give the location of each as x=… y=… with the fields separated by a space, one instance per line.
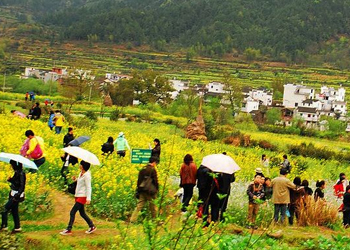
x=37 y=237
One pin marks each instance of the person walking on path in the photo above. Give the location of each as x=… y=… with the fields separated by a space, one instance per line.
x=188 y=174
x=18 y=183
x=82 y=196
x=36 y=149
x=26 y=97
x=147 y=189
x=121 y=144
x=346 y=207
x=156 y=150
x=255 y=193
x=59 y=121
x=280 y=195
x=50 y=123
x=296 y=199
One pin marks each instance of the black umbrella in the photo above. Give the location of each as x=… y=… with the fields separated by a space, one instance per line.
x=78 y=141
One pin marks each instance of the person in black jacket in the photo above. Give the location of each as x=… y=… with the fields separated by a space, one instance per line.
x=156 y=150
x=36 y=113
x=146 y=193
x=18 y=182
x=66 y=158
x=68 y=137
x=108 y=147
x=346 y=208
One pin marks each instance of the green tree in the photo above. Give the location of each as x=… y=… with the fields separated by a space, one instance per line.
x=233 y=92
x=273 y=115
x=151 y=87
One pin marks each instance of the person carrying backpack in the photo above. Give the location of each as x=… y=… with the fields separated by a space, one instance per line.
x=286 y=164
x=35 y=149
x=147 y=189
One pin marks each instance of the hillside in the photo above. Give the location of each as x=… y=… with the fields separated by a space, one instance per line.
x=279 y=29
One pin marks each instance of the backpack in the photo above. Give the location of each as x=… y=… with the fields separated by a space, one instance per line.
x=147 y=186
x=106 y=148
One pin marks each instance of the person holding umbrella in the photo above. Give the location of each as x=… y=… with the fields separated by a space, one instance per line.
x=82 y=196
x=18 y=182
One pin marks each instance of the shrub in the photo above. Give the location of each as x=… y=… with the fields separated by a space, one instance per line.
x=317 y=213
x=23 y=105
x=267 y=145
x=114 y=115
x=91 y=115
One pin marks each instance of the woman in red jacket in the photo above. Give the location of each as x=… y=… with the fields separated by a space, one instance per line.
x=188 y=174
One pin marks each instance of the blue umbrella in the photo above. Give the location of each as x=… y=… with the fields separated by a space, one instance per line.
x=78 y=141
x=7 y=157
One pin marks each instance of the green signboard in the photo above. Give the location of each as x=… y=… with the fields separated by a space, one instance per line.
x=140 y=155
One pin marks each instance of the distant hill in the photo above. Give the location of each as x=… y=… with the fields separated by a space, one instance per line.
x=275 y=28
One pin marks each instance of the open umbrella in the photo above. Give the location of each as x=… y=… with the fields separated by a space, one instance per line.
x=78 y=141
x=82 y=154
x=7 y=157
x=220 y=163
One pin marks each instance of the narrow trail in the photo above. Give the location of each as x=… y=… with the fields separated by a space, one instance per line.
x=62 y=204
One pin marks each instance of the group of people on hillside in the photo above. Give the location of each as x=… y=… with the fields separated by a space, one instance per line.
x=121 y=145
x=213 y=188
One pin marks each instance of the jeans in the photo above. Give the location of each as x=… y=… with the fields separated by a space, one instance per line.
x=58 y=130
x=188 y=193
x=12 y=206
x=293 y=211
x=78 y=207
x=280 y=209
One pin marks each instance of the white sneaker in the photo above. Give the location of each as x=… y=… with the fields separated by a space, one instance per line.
x=90 y=230
x=66 y=232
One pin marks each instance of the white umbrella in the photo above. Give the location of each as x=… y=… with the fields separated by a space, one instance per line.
x=82 y=154
x=220 y=163
x=7 y=157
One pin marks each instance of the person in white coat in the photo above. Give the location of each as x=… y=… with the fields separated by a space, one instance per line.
x=82 y=196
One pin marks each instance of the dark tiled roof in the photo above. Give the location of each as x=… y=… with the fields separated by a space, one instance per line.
x=306 y=110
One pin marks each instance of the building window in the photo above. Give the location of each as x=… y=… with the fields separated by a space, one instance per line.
x=309 y=115
x=296 y=104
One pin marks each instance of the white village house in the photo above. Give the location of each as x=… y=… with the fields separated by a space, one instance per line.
x=294 y=95
x=45 y=75
x=329 y=102
x=253 y=98
x=178 y=86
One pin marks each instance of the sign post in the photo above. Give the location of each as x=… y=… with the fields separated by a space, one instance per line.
x=140 y=156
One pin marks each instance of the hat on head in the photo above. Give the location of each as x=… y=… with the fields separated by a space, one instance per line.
x=258 y=170
x=121 y=134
